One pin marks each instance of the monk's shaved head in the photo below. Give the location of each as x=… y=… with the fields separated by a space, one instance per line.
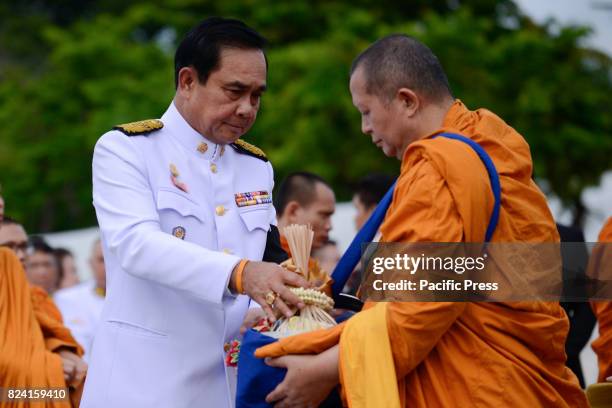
x=400 y=61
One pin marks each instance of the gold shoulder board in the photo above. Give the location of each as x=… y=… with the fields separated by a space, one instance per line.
x=141 y=127
x=243 y=147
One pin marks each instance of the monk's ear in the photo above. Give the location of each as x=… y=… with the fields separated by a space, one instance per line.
x=187 y=80
x=409 y=101
x=291 y=211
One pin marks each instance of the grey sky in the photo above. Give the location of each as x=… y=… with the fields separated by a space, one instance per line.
x=594 y=13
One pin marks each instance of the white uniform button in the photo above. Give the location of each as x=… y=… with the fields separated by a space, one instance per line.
x=227 y=251
x=220 y=210
x=213 y=167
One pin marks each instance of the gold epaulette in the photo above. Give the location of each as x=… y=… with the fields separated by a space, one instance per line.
x=141 y=127
x=243 y=147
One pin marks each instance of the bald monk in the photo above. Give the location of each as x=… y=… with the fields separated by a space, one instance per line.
x=601 y=261
x=437 y=354
x=36 y=349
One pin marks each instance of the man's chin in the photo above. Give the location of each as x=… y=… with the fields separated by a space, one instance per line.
x=388 y=151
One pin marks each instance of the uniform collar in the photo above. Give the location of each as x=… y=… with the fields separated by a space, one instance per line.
x=188 y=137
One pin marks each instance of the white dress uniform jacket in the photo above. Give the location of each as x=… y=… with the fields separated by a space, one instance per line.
x=81 y=308
x=174 y=223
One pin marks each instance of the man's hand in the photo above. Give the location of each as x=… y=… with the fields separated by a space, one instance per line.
x=261 y=278
x=74 y=367
x=309 y=379
x=252 y=317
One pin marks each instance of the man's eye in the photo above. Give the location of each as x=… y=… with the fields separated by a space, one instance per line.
x=234 y=92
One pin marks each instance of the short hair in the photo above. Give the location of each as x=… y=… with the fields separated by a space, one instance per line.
x=39 y=244
x=202 y=46
x=61 y=253
x=372 y=188
x=400 y=61
x=6 y=220
x=298 y=186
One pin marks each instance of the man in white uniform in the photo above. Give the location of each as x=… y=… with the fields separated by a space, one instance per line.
x=185 y=215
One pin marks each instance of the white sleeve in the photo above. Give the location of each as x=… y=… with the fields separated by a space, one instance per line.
x=129 y=222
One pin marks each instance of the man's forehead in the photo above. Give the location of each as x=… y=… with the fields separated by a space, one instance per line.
x=12 y=233
x=246 y=67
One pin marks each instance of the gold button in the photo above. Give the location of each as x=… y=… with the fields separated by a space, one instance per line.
x=227 y=251
x=202 y=147
x=174 y=170
x=220 y=210
x=213 y=167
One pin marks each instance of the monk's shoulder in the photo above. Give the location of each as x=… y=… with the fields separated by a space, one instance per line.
x=606 y=232
x=452 y=159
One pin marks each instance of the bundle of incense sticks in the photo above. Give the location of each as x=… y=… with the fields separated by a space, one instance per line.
x=315 y=314
x=299 y=238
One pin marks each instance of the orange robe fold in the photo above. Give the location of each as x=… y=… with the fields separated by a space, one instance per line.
x=601 y=262
x=460 y=354
x=30 y=330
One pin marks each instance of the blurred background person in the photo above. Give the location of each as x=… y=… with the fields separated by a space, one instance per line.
x=307 y=199
x=67 y=268
x=13 y=236
x=328 y=256
x=575 y=258
x=81 y=305
x=41 y=266
x=1 y=205
x=369 y=191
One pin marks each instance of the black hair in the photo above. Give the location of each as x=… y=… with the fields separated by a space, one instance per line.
x=371 y=189
x=39 y=244
x=6 y=220
x=400 y=61
x=298 y=186
x=202 y=46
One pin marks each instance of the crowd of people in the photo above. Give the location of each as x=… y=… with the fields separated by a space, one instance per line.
x=301 y=198
x=191 y=252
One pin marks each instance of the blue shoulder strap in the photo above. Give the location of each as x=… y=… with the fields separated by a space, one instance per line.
x=351 y=257
x=493 y=179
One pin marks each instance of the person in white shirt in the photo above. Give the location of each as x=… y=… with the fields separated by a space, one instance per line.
x=81 y=305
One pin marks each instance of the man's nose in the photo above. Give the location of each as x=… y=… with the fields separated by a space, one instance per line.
x=366 y=128
x=246 y=108
x=328 y=225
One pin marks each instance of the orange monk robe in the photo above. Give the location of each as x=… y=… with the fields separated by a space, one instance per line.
x=31 y=330
x=456 y=354
x=600 y=259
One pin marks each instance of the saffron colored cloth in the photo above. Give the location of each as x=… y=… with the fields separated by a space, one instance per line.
x=31 y=329
x=459 y=354
x=601 y=263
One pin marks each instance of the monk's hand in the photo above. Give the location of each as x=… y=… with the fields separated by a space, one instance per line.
x=74 y=366
x=268 y=284
x=253 y=316
x=309 y=379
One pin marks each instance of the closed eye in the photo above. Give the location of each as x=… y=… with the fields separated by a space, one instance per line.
x=234 y=92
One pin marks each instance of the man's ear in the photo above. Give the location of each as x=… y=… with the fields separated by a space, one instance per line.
x=187 y=80
x=409 y=101
x=292 y=210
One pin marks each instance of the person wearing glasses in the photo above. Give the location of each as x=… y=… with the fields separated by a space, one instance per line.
x=36 y=349
x=14 y=237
